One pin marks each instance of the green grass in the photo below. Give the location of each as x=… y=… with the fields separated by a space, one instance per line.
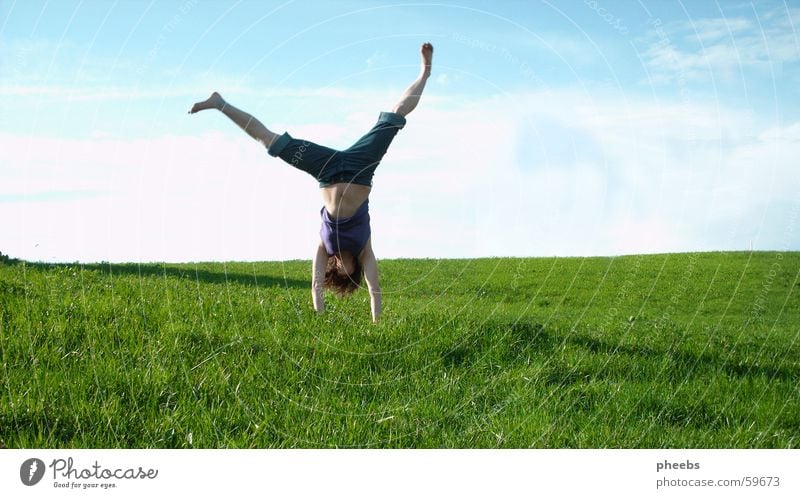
x=680 y=350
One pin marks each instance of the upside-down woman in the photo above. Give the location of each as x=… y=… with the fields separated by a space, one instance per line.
x=344 y=252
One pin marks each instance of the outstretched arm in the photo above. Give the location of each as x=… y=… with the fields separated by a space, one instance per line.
x=318 y=278
x=370 y=265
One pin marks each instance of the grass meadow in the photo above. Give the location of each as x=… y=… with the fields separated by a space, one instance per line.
x=697 y=350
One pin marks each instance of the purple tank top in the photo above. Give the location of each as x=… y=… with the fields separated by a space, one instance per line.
x=345 y=234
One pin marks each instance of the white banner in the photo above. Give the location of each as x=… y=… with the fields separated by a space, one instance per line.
x=399 y=473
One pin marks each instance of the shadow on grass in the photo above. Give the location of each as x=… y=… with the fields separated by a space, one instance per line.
x=523 y=337
x=690 y=362
x=519 y=344
x=518 y=341
x=187 y=272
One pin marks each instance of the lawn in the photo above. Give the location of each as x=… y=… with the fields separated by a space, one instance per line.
x=655 y=351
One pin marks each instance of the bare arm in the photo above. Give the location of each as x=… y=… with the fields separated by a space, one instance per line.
x=318 y=278
x=370 y=265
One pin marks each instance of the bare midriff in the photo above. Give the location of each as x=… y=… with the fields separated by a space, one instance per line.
x=342 y=200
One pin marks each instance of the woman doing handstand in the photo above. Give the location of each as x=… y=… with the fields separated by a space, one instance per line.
x=344 y=253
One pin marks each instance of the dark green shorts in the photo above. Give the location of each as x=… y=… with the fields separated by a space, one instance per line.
x=353 y=165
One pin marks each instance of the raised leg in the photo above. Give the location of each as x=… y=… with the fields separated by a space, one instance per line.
x=245 y=121
x=408 y=102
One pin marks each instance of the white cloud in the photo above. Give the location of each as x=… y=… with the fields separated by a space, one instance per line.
x=556 y=173
x=715 y=29
x=377 y=59
x=721 y=47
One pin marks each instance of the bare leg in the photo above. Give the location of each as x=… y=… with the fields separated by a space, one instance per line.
x=248 y=123
x=410 y=98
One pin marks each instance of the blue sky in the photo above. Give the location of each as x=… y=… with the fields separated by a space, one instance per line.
x=547 y=128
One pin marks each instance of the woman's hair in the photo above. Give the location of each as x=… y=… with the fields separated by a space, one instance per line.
x=342 y=284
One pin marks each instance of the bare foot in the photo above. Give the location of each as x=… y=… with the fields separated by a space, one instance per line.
x=215 y=101
x=427 y=57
